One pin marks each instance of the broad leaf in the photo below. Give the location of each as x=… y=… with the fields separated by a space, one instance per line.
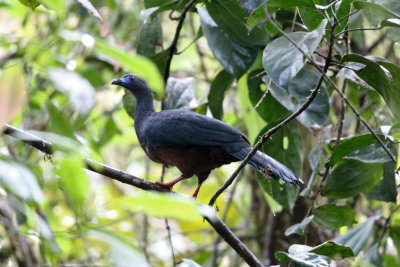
x=162 y=205
x=298 y=90
x=264 y=103
x=236 y=59
x=386 y=189
x=299 y=228
x=351 y=145
x=220 y=84
x=180 y=93
x=139 y=65
x=331 y=216
x=282 y=60
x=30 y=3
x=374 y=11
x=150 y=36
x=333 y=250
x=351 y=178
x=19 y=180
x=373 y=153
x=231 y=19
x=122 y=252
x=358 y=237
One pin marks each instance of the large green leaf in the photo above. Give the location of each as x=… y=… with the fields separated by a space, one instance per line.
x=265 y=104
x=231 y=19
x=122 y=252
x=20 y=180
x=386 y=189
x=220 y=84
x=331 y=216
x=375 y=12
x=333 y=250
x=282 y=60
x=150 y=37
x=74 y=181
x=373 y=153
x=162 y=205
x=235 y=58
x=30 y=3
x=139 y=65
x=180 y=93
x=290 y=3
x=298 y=90
x=351 y=145
x=351 y=178
x=358 y=237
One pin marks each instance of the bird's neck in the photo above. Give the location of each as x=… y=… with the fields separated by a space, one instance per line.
x=144 y=106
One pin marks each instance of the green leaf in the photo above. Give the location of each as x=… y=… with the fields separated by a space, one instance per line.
x=139 y=65
x=56 y=5
x=300 y=255
x=235 y=59
x=122 y=252
x=391 y=23
x=74 y=180
x=358 y=237
x=59 y=123
x=373 y=153
x=331 y=216
x=282 y=60
x=13 y=91
x=180 y=93
x=333 y=250
x=311 y=17
x=299 y=228
x=265 y=104
x=231 y=19
x=220 y=84
x=290 y=3
x=30 y=3
x=20 y=181
x=374 y=12
x=150 y=36
x=351 y=145
x=342 y=13
x=162 y=205
x=385 y=190
x=298 y=90
x=351 y=178
x=89 y=7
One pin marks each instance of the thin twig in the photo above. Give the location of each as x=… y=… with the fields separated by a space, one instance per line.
x=219 y=226
x=174 y=43
x=359 y=29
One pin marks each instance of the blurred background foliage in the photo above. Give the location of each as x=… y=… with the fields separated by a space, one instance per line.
x=57 y=59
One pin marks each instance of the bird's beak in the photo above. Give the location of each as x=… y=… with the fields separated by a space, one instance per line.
x=116 y=82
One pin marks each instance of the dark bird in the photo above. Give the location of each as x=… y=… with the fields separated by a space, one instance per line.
x=194 y=143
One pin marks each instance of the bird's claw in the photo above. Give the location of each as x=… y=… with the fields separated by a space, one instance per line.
x=165 y=185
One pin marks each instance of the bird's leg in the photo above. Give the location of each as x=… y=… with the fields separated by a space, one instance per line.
x=197 y=190
x=171 y=184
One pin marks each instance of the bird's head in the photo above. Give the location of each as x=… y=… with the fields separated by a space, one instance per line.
x=132 y=83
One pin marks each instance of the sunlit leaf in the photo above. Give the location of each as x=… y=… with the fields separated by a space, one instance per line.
x=30 y=3
x=333 y=250
x=13 y=90
x=139 y=65
x=300 y=255
x=282 y=60
x=122 y=252
x=374 y=11
x=56 y=5
x=162 y=205
x=20 y=181
x=189 y=263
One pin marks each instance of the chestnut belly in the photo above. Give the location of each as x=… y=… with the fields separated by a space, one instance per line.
x=191 y=160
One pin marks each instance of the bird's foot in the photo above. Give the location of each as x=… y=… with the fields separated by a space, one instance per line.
x=196 y=192
x=167 y=186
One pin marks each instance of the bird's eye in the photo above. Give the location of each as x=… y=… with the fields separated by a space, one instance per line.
x=132 y=78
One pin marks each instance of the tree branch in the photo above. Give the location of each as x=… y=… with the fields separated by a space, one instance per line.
x=219 y=226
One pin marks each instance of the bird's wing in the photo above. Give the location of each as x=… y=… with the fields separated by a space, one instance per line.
x=183 y=128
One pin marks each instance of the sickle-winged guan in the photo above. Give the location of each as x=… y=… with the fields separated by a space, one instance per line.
x=194 y=143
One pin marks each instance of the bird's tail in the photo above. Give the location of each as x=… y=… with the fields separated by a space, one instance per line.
x=268 y=166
